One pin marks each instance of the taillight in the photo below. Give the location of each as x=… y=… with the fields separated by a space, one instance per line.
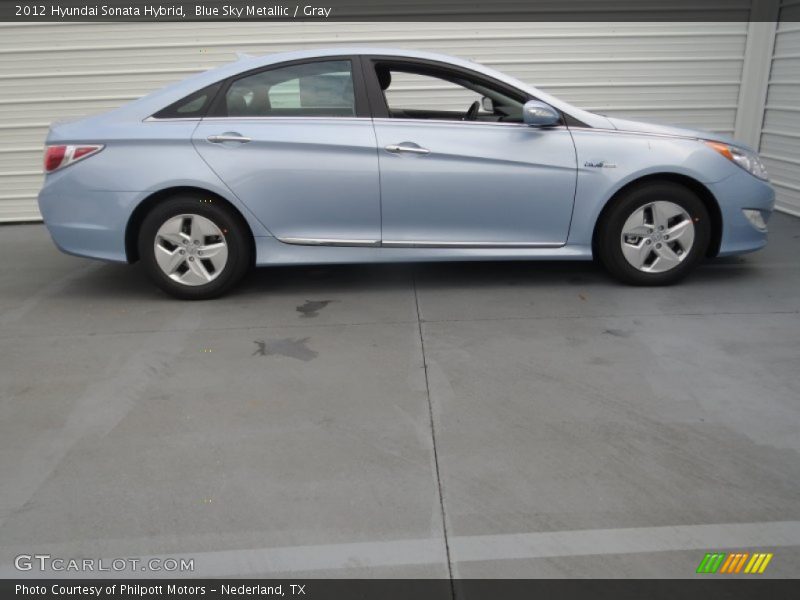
x=53 y=157
x=58 y=157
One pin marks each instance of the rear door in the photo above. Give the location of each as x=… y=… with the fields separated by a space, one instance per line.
x=295 y=143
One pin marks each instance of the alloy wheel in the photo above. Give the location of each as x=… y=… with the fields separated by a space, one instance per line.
x=191 y=249
x=657 y=237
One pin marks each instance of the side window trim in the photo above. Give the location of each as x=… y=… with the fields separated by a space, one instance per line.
x=217 y=110
x=377 y=101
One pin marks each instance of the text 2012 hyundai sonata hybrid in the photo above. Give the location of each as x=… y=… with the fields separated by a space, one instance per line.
x=358 y=155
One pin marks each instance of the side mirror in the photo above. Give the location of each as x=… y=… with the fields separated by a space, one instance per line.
x=487 y=104
x=539 y=114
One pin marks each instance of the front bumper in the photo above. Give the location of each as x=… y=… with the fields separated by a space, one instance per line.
x=734 y=194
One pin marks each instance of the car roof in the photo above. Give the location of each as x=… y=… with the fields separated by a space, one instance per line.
x=352 y=50
x=155 y=101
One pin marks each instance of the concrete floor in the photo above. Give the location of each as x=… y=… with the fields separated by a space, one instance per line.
x=565 y=426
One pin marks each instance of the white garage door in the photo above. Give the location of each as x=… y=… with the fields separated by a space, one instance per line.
x=780 y=136
x=683 y=73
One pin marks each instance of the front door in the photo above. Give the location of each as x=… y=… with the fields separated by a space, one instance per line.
x=458 y=167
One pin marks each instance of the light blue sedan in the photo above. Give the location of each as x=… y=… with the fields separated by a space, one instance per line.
x=373 y=155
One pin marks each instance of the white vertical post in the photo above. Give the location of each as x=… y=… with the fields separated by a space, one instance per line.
x=755 y=71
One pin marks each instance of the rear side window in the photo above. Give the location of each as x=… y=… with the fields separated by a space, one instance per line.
x=193 y=106
x=316 y=89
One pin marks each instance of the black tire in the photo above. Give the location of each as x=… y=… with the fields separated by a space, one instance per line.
x=236 y=234
x=609 y=233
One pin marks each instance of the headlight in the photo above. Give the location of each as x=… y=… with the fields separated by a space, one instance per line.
x=749 y=161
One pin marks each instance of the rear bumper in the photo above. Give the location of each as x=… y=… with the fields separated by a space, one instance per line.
x=734 y=194
x=87 y=223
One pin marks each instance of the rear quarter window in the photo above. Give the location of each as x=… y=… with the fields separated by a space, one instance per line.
x=193 y=106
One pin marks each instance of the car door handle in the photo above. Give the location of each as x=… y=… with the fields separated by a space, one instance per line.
x=228 y=137
x=395 y=148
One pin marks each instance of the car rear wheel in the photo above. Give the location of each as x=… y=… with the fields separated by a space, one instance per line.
x=194 y=248
x=654 y=234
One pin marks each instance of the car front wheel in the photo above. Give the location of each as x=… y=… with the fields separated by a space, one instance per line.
x=654 y=234
x=194 y=248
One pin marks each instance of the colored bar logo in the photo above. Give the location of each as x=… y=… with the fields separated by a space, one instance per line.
x=734 y=562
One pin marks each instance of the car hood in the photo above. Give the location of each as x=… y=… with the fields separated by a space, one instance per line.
x=639 y=126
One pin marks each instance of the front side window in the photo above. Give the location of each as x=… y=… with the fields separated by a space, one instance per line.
x=418 y=93
x=317 y=89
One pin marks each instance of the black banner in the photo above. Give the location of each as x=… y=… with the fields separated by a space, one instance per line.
x=403 y=589
x=388 y=10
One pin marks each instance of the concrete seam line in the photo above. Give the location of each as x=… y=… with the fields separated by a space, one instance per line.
x=283 y=559
x=625 y=541
x=434 y=447
x=470 y=548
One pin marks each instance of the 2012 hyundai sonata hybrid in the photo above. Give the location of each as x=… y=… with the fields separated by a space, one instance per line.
x=372 y=155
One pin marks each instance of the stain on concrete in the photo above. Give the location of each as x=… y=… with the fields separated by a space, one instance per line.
x=620 y=333
x=311 y=308
x=289 y=347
